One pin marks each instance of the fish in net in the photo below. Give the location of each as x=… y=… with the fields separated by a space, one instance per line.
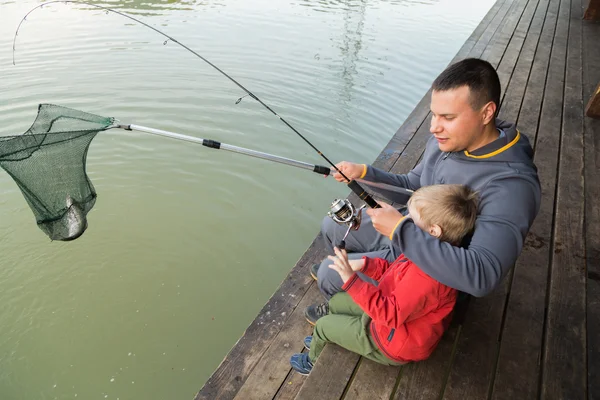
x=48 y=163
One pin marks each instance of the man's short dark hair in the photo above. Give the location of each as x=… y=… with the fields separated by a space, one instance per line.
x=478 y=75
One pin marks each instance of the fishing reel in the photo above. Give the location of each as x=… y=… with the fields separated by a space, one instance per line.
x=343 y=211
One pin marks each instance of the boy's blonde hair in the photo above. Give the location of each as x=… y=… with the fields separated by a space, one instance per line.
x=452 y=207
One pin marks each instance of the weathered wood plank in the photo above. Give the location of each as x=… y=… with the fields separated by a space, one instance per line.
x=508 y=30
x=473 y=369
x=592 y=109
x=518 y=363
x=229 y=377
x=270 y=371
x=425 y=380
x=591 y=75
x=372 y=381
x=330 y=375
x=592 y=12
x=564 y=359
x=291 y=386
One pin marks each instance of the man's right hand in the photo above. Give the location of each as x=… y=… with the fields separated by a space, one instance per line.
x=351 y=170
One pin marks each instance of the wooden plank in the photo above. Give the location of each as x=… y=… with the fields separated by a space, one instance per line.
x=291 y=386
x=564 y=358
x=473 y=369
x=592 y=109
x=425 y=380
x=506 y=34
x=325 y=382
x=591 y=75
x=514 y=95
x=229 y=377
x=270 y=371
x=521 y=345
x=372 y=381
x=592 y=12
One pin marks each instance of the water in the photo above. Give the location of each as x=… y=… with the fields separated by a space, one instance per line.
x=186 y=244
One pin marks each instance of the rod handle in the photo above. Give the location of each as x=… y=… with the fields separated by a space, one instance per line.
x=362 y=194
x=321 y=169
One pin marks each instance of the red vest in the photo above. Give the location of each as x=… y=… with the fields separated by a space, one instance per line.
x=409 y=310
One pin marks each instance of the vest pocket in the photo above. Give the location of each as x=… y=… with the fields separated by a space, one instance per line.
x=391 y=335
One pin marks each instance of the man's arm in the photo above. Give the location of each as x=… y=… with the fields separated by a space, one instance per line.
x=506 y=214
x=412 y=180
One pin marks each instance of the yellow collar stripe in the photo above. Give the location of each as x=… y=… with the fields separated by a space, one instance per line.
x=500 y=150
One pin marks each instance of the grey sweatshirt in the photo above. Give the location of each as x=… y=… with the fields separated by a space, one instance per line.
x=506 y=178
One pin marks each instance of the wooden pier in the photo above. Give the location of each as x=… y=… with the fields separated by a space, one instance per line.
x=538 y=334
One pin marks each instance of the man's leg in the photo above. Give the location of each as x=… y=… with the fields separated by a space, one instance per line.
x=329 y=280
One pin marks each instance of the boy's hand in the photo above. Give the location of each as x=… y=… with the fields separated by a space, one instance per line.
x=341 y=264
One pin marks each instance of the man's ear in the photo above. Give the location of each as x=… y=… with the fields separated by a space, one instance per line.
x=489 y=112
x=435 y=231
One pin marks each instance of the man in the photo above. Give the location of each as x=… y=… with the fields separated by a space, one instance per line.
x=469 y=146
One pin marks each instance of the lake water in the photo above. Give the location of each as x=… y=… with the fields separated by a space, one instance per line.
x=186 y=244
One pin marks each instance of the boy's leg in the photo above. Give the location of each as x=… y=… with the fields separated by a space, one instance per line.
x=348 y=331
x=342 y=303
x=348 y=327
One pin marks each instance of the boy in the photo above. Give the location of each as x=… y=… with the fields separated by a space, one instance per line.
x=403 y=316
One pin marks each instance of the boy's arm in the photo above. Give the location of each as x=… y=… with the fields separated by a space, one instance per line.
x=409 y=297
x=374 y=267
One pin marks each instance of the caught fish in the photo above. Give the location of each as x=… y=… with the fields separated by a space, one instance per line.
x=74 y=219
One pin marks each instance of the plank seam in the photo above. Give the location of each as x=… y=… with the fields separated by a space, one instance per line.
x=555 y=205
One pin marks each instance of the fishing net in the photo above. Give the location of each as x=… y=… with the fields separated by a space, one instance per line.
x=48 y=164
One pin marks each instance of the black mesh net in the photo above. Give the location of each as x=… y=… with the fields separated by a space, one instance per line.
x=48 y=164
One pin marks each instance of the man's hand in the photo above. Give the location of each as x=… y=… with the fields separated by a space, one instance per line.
x=341 y=264
x=384 y=219
x=351 y=170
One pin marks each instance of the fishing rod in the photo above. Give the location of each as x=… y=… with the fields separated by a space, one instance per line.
x=213 y=144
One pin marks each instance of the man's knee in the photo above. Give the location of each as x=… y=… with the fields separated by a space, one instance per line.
x=328 y=280
x=328 y=226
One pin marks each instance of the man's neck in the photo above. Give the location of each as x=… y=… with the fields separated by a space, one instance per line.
x=489 y=135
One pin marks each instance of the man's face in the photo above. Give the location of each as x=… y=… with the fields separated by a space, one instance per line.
x=454 y=123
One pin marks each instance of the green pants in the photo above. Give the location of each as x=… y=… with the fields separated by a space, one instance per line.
x=347 y=325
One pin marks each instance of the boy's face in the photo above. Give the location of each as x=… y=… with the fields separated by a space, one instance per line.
x=454 y=123
x=416 y=217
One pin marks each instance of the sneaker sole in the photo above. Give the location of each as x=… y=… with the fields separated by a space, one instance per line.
x=313 y=276
x=309 y=321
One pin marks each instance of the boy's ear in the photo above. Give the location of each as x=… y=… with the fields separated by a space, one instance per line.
x=435 y=231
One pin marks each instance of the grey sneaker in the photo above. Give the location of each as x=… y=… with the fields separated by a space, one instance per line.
x=316 y=311
x=313 y=270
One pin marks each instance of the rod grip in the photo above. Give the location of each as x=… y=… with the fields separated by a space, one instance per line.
x=362 y=194
x=213 y=144
x=320 y=169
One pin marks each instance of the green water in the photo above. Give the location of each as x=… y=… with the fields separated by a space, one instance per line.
x=185 y=245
